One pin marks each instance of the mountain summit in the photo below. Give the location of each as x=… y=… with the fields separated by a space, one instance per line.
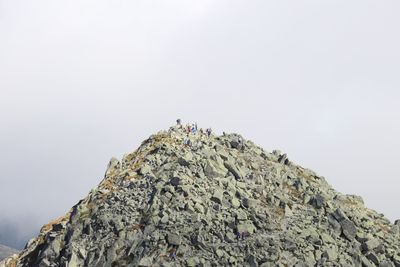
x=188 y=197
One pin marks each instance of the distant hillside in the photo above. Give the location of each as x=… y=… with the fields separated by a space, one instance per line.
x=6 y=251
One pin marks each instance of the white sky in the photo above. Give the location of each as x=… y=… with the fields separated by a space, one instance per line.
x=82 y=81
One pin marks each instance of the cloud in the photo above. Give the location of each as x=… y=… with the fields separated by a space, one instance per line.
x=84 y=81
x=15 y=232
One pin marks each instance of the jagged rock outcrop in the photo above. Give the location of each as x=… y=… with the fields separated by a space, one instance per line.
x=6 y=251
x=199 y=200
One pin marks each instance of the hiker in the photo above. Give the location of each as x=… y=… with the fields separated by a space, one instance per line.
x=208 y=131
x=194 y=129
x=172 y=254
x=178 y=122
x=238 y=235
x=186 y=141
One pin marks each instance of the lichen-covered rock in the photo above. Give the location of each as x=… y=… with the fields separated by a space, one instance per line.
x=199 y=200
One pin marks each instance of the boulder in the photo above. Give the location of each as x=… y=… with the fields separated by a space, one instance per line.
x=349 y=230
x=318 y=201
x=330 y=254
x=175 y=181
x=235 y=170
x=213 y=169
x=174 y=239
x=145 y=262
x=218 y=196
x=371 y=244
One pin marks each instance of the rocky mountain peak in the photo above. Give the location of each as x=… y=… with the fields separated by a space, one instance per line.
x=189 y=197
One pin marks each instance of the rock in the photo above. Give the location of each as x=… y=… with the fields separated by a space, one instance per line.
x=330 y=254
x=373 y=258
x=339 y=215
x=309 y=259
x=283 y=159
x=241 y=215
x=386 y=264
x=371 y=244
x=220 y=253
x=288 y=211
x=396 y=260
x=349 y=230
x=113 y=165
x=235 y=202
x=327 y=238
x=366 y=262
x=246 y=227
x=337 y=228
x=145 y=262
x=230 y=237
x=218 y=196
x=175 y=181
x=252 y=261
x=213 y=169
x=318 y=201
x=165 y=219
x=145 y=170
x=395 y=230
x=199 y=208
x=235 y=170
x=174 y=239
x=192 y=262
x=185 y=161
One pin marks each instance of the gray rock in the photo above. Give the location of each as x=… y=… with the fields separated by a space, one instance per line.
x=366 y=262
x=183 y=161
x=386 y=264
x=175 y=181
x=318 y=201
x=337 y=228
x=373 y=258
x=330 y=254
x=235 y=170
x=218 y=196
x=174 y=239
x=252 y=261
x=146 y=262
x=235 y=202
x=214 y=169
x=339 y=215
x=371 y=244
x=349 y=230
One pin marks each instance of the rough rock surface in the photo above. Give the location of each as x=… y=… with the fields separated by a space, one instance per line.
x=213 y=201
x=6 y=251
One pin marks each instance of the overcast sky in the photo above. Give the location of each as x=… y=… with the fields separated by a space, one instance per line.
x=82 y=81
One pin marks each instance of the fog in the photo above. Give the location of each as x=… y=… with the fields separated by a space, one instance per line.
x=82 y=81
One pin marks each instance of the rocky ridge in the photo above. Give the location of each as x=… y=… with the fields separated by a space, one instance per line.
x=199 y=200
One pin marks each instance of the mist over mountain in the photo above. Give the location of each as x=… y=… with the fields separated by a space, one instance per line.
x=6 y=251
